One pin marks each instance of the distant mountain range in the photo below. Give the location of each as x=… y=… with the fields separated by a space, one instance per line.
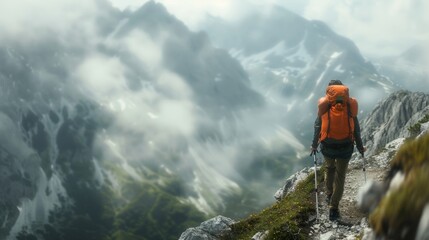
x=290 y=60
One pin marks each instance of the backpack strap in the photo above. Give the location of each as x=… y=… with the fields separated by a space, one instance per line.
x=329 y=120
x=349 y=113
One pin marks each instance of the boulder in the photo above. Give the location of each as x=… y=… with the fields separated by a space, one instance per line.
x=212 y=229
x=291 y=183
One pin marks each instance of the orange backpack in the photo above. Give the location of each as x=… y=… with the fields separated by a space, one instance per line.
x=337 y=111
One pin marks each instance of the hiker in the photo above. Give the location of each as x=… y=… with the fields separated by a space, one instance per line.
x=336 y=129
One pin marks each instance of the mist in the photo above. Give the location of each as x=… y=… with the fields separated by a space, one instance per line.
x=160 y=120
x=381 y=29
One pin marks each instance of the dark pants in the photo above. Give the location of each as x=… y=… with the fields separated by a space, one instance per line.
x=335 y=177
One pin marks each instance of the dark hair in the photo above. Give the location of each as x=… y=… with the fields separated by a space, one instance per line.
x=335 y=82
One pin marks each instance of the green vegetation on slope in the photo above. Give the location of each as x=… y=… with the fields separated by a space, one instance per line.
x=144 y=210
x=139 y=211
x=399 y=212
x=416 y=128
x=287 y=219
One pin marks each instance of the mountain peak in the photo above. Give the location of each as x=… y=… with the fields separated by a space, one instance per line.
x=153 y=6
x=154 y=16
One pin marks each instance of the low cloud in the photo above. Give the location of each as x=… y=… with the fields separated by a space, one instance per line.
x=378 y=28
x=155 y=114
x=30 y=21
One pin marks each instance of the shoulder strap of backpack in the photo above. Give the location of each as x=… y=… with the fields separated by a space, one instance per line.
x=329 y=120
x=349 y=115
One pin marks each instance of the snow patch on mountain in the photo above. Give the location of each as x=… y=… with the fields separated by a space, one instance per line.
x=48 y=197
x=328 y=65
x=297 y=58
x=339 y=69
x=209 y=185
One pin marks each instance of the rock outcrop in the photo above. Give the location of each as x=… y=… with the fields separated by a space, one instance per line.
x=212 y=229
x=291 y=183
x=391 y=118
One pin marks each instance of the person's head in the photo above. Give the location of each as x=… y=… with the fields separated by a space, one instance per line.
x=335 y=82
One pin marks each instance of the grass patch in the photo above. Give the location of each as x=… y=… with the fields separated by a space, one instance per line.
x=399 y=212
x=412 y=155
x=287 y=219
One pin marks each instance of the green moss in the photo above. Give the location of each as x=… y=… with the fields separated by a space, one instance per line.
x=415 y=129
x=286 y=219
x=402 y=208
x=412 y=154
x=359 y=237
x=399 y=212
x=425 y=119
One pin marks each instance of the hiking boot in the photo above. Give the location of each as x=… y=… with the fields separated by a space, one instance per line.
x=334 y=214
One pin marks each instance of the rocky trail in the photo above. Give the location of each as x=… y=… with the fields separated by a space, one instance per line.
x=353 y=222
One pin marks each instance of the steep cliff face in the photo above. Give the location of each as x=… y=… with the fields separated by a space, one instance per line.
x=392 y=117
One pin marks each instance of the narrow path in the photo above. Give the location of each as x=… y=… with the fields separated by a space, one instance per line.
x=326 y=229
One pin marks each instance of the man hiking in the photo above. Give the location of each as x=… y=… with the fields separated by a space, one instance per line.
x=336 y=129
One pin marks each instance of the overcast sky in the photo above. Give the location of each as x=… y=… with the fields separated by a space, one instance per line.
x=379 y=28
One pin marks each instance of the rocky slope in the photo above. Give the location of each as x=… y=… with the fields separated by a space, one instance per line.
x=365 y=191
x=392 y=118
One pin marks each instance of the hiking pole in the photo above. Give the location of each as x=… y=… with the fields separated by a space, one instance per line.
x=315 y=185
x=364 y=167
